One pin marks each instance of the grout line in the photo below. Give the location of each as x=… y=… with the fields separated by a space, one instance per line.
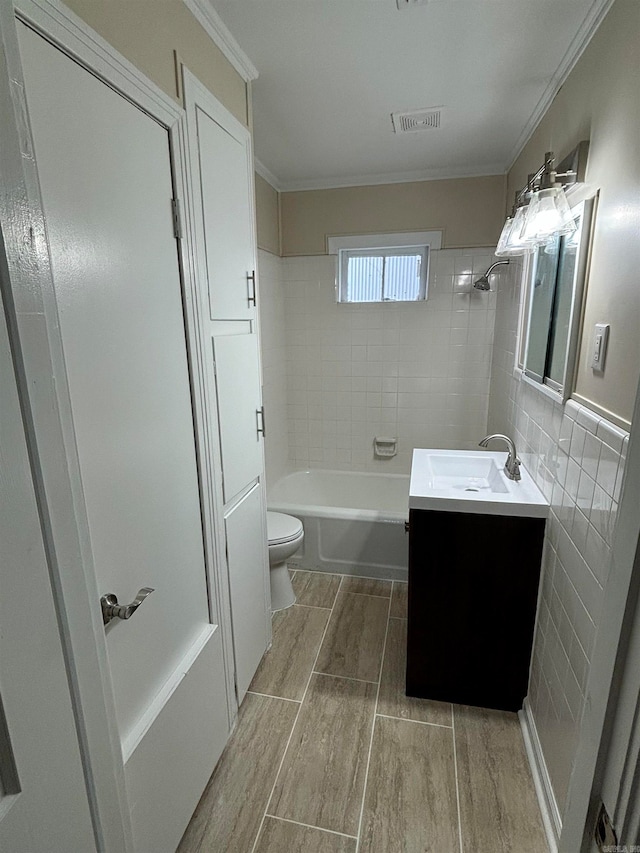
x=312 y=606
x=357 y=577
x=367 y=594
x=418 y=722
x=373 y=730
x=269 y=696
x=455 y=770
x=306 y=690
x=310 y=826
x=343 y=677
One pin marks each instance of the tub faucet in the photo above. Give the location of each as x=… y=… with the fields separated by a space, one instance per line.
x=512 y=465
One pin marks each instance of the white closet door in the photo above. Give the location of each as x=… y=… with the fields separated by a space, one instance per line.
x=238 y=387
x=105 y=174
x=226 y=184
x=248 y=569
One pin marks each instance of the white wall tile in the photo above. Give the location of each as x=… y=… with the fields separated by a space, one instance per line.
x=273 y=335
x=611 y=435
x=420 y=372
x=583 y=457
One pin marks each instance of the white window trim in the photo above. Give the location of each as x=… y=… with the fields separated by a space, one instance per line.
x=404 y=239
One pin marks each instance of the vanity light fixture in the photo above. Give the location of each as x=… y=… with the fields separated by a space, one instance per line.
x=541 y=210
x=511 y=244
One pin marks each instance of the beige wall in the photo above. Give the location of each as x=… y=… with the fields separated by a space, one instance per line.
x=147 y=32
x=600 y=101
x=470 y=210
x=267 y=216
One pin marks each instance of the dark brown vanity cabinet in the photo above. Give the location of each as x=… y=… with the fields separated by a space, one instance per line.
x=473 y=588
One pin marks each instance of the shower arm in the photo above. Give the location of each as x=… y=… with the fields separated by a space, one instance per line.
x=493 y=266
x=483 y=282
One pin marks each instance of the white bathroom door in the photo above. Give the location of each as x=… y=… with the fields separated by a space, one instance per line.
x=105 y=174
x=38 y=743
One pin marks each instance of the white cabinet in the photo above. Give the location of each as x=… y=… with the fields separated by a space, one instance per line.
x=240 y=415
x=224 y=233
x=246 y=534
x=226 y=188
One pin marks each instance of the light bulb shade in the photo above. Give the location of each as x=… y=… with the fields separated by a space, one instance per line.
x=504 y=237
x=548 y=214
x=510 y=244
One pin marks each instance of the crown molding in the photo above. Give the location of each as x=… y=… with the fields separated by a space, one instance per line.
x=592 y=21
x=268 y=176
x=391 y=178
x=219 y=33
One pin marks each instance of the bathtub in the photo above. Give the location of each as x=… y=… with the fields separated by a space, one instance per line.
x=353 y=522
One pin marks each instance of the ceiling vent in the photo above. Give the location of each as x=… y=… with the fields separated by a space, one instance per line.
x=408 y=4
x=415 y=121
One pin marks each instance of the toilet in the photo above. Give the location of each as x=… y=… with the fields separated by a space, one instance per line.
x=285 y=534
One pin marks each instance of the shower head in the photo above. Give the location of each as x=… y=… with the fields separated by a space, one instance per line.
x=482 y=283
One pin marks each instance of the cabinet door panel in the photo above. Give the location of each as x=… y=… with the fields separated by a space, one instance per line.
x=238 y=388
x=226 y=187
x=248 y=563
x=473 y=583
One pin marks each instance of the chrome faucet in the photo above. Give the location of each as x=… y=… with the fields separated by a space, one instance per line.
x=512 y=465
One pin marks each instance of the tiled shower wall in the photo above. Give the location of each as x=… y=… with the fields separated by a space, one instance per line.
x=577 y=460
x=417 y=372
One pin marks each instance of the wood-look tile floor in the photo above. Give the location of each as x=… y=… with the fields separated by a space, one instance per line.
x=330 y=756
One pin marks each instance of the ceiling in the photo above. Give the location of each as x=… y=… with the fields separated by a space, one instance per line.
x=332 y=71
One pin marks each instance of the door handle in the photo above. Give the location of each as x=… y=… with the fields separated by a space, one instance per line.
x=112 y=610
x=261 y=425
x=251 y=298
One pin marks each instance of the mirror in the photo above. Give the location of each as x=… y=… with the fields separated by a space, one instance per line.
x=556 y=280
x=542 y=291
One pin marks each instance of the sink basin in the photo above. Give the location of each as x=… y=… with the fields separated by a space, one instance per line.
x=472 y=481
x=473 y=473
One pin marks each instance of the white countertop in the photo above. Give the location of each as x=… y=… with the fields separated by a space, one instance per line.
x=467 y=481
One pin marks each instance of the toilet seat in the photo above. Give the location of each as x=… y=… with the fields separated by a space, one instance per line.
x=282 y=528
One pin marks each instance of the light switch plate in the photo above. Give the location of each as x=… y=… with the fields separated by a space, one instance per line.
x=599 y=352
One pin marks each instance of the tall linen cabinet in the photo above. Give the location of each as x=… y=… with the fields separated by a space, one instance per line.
x=222 y=228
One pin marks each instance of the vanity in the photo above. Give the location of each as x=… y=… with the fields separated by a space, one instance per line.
x=475 y=549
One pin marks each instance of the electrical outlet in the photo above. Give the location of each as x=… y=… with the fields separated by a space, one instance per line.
x=599 y=352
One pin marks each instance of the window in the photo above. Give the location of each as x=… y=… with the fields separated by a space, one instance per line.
x=383 y=275
x=383 y=267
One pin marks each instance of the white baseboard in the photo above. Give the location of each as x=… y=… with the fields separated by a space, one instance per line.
x=541 y=779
